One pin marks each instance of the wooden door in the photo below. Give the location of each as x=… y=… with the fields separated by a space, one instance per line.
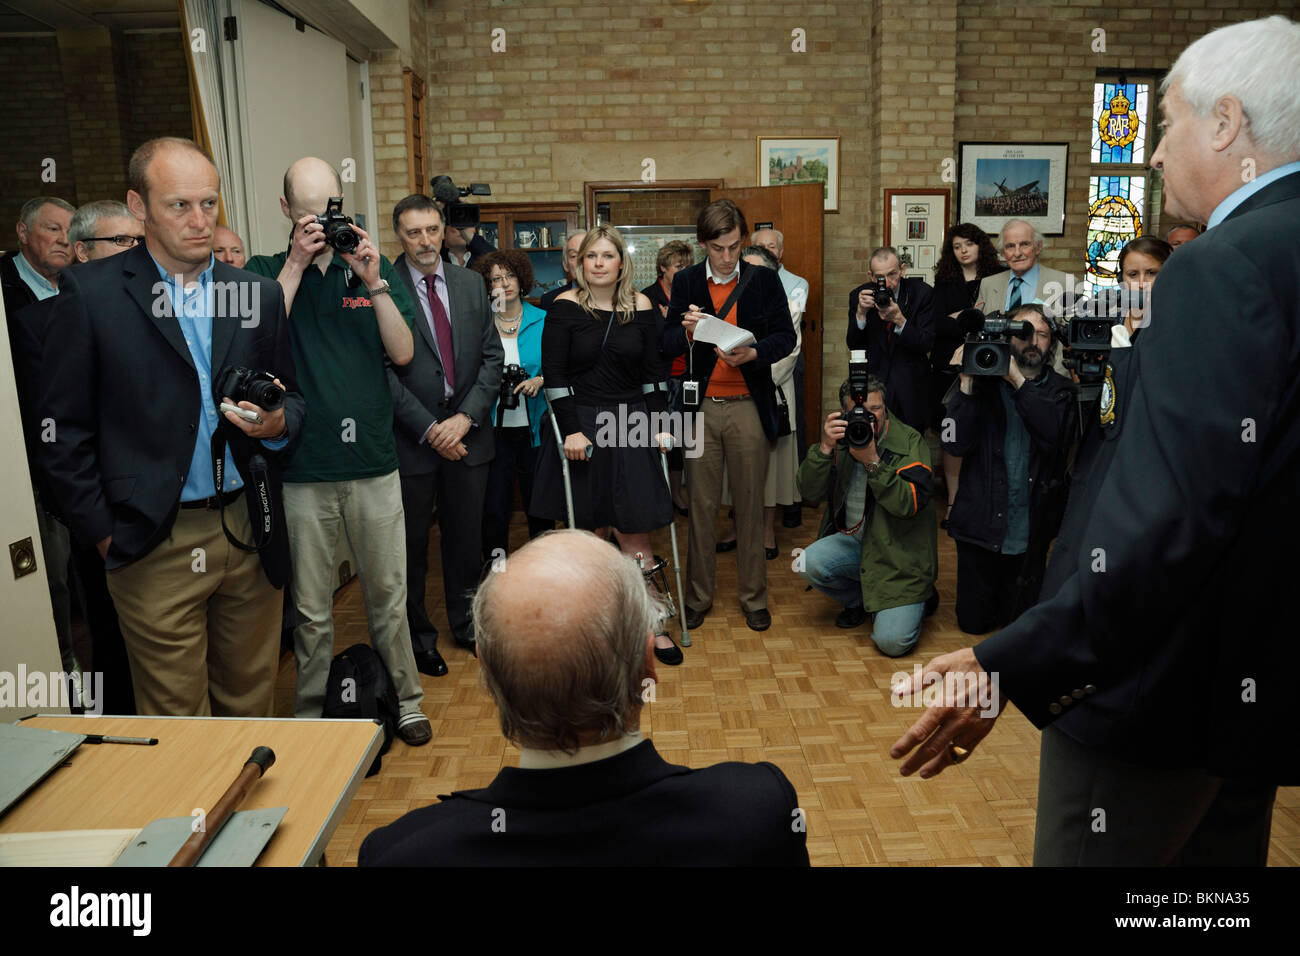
x=796 y=211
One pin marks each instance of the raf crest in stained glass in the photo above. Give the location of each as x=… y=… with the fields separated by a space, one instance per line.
x=1119 y=132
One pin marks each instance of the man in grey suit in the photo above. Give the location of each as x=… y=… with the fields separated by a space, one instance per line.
x=1026 y=280
x=442 y=405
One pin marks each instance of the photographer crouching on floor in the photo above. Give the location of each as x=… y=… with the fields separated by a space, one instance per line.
x=877 y=551
x=1012 y=423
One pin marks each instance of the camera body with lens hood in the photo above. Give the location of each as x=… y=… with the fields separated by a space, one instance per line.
x=987 y=348
x=861 y=426
x=246 y=385
x=339 y=234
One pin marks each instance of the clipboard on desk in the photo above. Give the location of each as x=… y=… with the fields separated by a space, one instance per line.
x=27 y=756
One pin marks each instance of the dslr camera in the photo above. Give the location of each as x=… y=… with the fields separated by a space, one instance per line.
x=987 y=347
x=860 y=430
x=245 y=385
x=512 y=376
x=339 y=233
x=882 y=294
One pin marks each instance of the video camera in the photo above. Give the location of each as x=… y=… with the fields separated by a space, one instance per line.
x=1087 y=330
x=861 y=427
x=459 y=215
x=987 y=348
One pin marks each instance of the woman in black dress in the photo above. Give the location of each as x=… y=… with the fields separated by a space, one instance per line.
x=968 y=256
x=605 y=382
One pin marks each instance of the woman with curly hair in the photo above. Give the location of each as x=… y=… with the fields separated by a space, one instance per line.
x=509 y=274
x=968 y=256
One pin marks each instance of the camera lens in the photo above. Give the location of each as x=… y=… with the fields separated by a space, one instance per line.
x=986 y=358
x=266 y=395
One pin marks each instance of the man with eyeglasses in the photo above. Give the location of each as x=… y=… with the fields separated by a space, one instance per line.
x=1013 y=435
x=897 y=334
x=103 y=228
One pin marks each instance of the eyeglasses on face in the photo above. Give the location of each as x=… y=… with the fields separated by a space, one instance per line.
x=502 y=279
x=125 y=242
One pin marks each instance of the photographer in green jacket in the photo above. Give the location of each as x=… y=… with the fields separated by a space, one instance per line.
x=877 y=551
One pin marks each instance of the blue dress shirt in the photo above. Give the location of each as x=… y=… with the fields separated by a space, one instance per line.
x=1223 y=209
x=1030 y=280
x=39 y=285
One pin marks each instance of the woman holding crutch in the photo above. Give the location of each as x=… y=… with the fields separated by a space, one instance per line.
x=605 y=382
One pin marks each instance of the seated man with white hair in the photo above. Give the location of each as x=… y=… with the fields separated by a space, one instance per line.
x=566 y=647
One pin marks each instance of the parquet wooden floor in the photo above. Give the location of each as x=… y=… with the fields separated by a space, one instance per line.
x=809 y=697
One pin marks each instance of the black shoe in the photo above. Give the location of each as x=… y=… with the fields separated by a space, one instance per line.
x=759 y=620
x=467 y=643
x=932 y=603
x=793 y=516
x=943 y=523
x=722 y=547
x=771 y=553
x=694 y=618
x=684 y=512
x=851 y=617
x=672 y=656
x=431 y=663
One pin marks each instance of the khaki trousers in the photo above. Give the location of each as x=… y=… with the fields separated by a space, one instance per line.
x=733 y=436
x=369 y=511
x=200 y=621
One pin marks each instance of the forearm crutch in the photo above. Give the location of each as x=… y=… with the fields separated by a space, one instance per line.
x=677 y=564
x=564 y=465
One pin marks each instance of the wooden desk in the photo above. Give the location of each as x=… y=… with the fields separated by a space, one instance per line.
x=319 y=764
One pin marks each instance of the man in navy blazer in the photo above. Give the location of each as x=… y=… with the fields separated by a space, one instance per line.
x=566 y=644
x=173 y=492
x=1159 y=673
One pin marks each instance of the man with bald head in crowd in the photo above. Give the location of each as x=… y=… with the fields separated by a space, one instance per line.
x=1183 y=232
x=566 y=647
x=228 y=247
x=145 y=467
x=348 y=314
x=569 y=263
x=103 y=228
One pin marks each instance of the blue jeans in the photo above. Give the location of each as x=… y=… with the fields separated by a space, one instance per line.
x=833 y=565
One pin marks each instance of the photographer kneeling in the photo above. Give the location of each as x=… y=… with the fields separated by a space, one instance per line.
x=1013 y=433
x=877 y=551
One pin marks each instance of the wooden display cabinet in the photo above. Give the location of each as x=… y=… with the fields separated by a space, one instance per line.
x=540 y=230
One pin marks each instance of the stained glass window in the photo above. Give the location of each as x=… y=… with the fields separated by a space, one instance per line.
x=1119 y=128
x=1115 y=206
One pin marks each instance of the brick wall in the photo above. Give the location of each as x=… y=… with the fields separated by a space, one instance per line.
x=586 y=91
x=158 y=85
x=36 y=125
x=654 y=208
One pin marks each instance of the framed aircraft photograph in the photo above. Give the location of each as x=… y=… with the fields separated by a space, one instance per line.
x=1001 y=181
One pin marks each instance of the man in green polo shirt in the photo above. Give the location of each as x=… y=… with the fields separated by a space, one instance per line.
x=347 y=312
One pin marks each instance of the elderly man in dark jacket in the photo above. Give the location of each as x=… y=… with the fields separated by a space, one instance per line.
x=1013 y=436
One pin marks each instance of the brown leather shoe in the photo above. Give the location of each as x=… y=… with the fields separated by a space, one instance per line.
x=695 y=619
x=759 y=620
x=416 y=730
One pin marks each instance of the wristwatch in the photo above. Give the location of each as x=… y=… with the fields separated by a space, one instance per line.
x=873 y=467
x=382 y=289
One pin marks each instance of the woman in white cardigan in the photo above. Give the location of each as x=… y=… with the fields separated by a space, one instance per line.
x=784 y=461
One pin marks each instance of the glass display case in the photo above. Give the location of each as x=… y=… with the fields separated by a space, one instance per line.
x=539 y=230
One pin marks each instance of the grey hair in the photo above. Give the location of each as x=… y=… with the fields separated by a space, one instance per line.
x=85 y=221
x=769 y=260
x=1038 y=236
x=780 y=236
x=881 y=251
x=1247 y=60
x=590 y=690
x=27 y=215
x=873 y=385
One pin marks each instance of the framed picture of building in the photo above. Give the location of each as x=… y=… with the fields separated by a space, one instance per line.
x=1001 y=181
x=784 y=162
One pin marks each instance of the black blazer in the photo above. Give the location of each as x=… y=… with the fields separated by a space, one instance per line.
x=124 y=394
x=28 y=327
x=478 y=246
x=630 y=810
x=549 y=297
x=418 y=392
x=16 y=293
x=899 y=359
x=1176 y=649
x=763 y=310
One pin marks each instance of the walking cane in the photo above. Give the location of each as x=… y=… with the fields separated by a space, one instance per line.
x=257 y=764
x=677 y=564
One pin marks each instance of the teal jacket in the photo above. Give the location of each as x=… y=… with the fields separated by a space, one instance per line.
x=900 y=548
x=530 y=357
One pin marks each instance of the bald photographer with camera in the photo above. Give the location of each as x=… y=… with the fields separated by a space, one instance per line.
x=1013 y=433
x=877 y=551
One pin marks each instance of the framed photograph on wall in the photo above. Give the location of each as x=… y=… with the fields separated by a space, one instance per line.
x=916 y=221
x=1001 y=181
x=784 y=162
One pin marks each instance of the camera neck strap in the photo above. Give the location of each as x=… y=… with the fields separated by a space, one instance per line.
x=260 y=477
x=731 y=300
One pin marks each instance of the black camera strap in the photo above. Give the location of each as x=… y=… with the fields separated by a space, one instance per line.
x=260 y=476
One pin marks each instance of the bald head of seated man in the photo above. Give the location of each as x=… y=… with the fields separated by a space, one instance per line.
x=566 y=651
x=228 y=247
